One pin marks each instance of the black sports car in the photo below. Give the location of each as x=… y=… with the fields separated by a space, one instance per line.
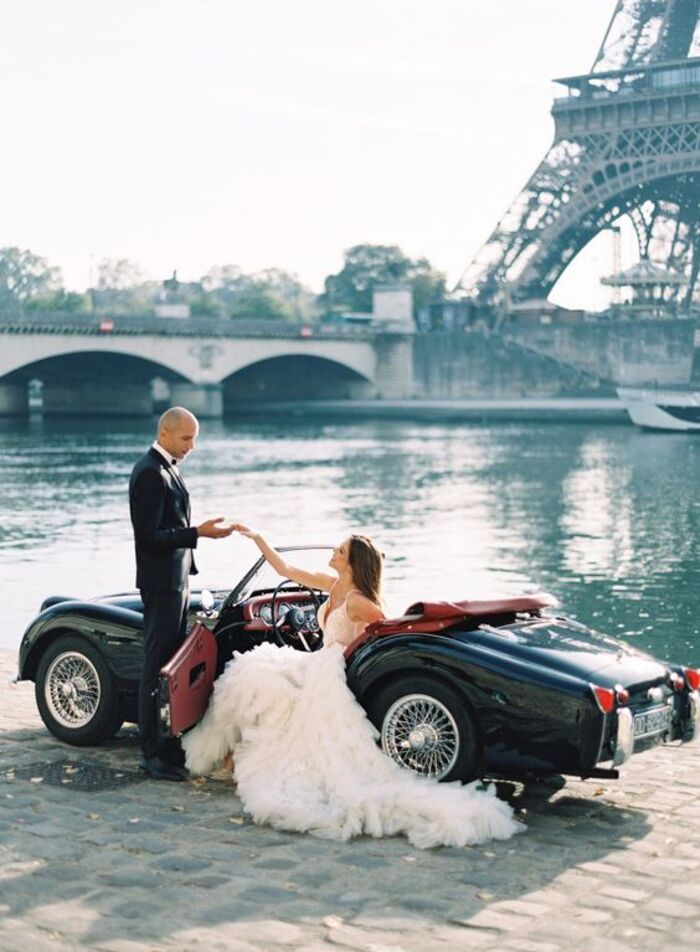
x=456 y=689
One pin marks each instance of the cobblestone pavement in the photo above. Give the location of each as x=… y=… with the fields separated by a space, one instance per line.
x=93 y=856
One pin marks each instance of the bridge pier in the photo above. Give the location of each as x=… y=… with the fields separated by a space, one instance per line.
x=14 y=399
x=394 y=373
x=205 y=400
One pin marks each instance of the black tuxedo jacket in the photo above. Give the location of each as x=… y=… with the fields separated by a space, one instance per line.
x=160 y=514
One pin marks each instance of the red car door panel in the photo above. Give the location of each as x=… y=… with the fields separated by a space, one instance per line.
x=190 y=677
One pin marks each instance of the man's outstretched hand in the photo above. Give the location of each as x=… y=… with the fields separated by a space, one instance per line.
x=212 y=530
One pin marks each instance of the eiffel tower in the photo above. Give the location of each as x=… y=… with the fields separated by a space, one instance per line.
x=626 y=143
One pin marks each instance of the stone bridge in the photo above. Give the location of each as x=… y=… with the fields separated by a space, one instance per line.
x=86 y=363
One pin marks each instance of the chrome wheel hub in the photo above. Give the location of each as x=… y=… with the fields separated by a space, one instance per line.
x=423 y=738
x=72 y=689
x=420 y=734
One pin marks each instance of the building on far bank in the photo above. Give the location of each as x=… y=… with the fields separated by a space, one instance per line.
x=170 y=301
x=647 y=290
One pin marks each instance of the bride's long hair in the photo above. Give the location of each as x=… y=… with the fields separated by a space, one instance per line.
x=366 y=564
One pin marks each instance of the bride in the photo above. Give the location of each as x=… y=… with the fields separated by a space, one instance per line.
x=305 y=754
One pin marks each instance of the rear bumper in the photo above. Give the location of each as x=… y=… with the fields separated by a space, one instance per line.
x=685 y=726
x=624 y=737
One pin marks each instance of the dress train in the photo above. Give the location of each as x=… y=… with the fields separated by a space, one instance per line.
x=306 y=758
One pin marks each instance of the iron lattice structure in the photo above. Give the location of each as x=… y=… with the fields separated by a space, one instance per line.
x=626 y=143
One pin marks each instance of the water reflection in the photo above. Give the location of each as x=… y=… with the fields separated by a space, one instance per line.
x=606 y=517
x=597 y=514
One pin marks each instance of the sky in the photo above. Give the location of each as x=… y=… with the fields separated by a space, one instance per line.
x=270 y=133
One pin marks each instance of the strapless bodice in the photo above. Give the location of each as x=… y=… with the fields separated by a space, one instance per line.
x=337 y=628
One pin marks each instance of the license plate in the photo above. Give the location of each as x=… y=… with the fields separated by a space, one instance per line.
x=657 y=721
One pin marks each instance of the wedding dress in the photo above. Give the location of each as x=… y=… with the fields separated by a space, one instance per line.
x=306 y=756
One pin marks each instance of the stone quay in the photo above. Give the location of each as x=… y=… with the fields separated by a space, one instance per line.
x=95 y=856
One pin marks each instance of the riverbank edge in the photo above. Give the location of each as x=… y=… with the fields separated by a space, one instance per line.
x=555 y=410
x=140 y=866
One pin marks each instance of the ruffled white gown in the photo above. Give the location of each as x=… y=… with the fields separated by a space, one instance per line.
x=306 y=756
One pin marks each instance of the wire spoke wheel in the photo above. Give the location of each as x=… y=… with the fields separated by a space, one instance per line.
x=76 y=691
x=72 y=689
x=419 y=733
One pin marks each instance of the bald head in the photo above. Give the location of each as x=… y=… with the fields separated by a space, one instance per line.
x=177 y=431
x=173 y=417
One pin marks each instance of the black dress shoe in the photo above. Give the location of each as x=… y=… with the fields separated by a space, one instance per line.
x=172 y=753
x=160 y=769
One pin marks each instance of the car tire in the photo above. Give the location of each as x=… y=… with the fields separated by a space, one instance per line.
x=425 y=727
x=75 y=692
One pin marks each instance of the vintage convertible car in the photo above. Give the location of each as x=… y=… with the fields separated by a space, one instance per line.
x=456 y=690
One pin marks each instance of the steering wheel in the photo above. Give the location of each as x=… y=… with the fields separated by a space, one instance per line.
x=292 y=627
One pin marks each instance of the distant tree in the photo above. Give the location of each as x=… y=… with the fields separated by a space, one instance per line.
x=71 y=302
x=119 y=274
x=25 y=276
x=255 y=304
x=202 y=304
x=272 y=294
x=222 y=278
x=122 y=287
x=367 y=266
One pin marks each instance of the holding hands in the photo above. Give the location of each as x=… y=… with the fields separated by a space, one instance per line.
x=212 y=530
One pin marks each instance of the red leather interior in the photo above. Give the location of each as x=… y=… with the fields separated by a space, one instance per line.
x=251 y=608
x=190 y=674
x=427 y=617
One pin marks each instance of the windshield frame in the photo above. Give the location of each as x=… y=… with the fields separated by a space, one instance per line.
x=236 y=593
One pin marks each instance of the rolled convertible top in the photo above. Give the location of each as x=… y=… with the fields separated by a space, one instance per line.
x=435 y=616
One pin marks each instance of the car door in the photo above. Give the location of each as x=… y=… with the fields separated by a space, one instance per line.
x=186 y=682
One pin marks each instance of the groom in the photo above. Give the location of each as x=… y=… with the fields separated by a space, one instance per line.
x=164 y=540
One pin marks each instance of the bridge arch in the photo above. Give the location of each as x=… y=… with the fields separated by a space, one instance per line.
x=148 y=349
x=93 y=382
x=359 y=357
x=295 y=376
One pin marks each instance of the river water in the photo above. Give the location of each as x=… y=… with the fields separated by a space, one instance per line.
x=605 y=517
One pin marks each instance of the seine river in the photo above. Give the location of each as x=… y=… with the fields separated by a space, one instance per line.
x=606 y=517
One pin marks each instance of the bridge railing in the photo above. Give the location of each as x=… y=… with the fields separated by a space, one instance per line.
x=55 y=322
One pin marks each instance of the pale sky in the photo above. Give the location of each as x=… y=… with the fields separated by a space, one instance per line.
x=276 y=133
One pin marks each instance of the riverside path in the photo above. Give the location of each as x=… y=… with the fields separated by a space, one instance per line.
x=93 y=856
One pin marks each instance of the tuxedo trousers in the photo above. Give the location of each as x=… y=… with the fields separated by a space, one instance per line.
x=164 y=629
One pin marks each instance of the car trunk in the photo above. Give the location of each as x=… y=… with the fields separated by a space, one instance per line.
x=572 y=649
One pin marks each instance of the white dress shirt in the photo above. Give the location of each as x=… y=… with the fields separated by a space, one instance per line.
x=167 y=456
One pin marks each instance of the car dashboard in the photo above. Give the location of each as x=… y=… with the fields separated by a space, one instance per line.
x=257 y=610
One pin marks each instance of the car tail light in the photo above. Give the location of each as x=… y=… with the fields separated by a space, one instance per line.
x=605 y=698
x=622 y=694
x=692 y=678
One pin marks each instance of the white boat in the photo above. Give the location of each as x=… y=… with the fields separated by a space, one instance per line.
x=658 y=409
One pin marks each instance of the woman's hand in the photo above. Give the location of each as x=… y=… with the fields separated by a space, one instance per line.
x=319 y=580
x=245 y=531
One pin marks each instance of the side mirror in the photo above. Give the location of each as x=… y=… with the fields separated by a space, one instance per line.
x=207 y=603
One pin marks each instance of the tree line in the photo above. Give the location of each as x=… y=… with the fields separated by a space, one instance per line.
x=29 y=282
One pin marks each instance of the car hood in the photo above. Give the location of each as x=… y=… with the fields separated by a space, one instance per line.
x=129 y=600
x=134 y=602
